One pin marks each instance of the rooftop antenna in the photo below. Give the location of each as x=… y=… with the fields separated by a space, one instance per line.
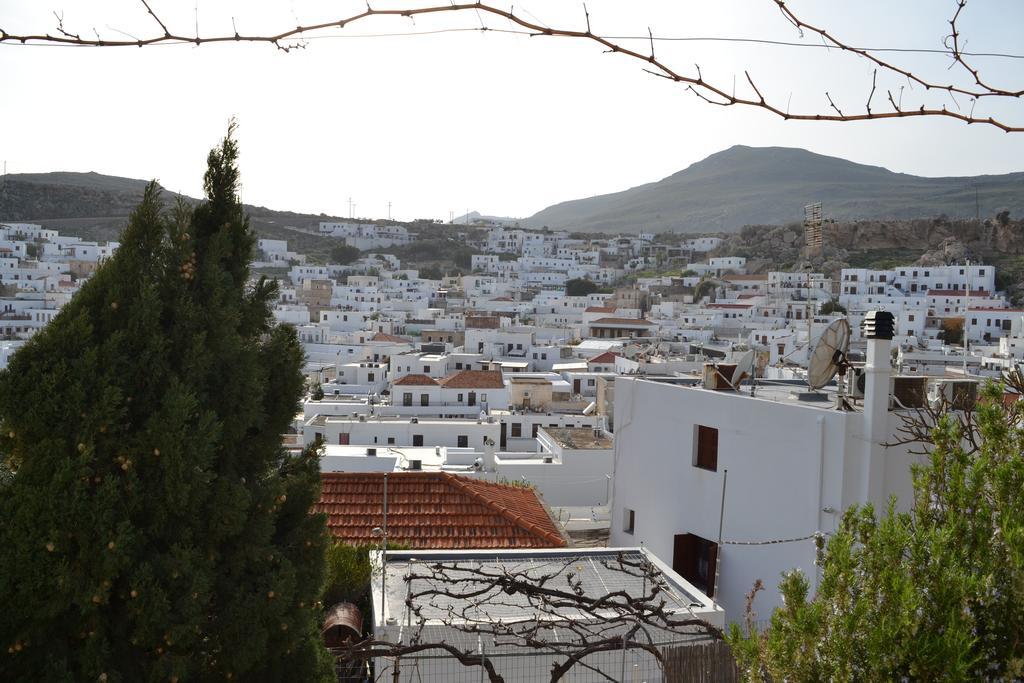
x=744 y=368
x=828 y=356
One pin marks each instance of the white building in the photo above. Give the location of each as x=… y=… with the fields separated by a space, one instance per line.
x=396 y=617
x=794 y=465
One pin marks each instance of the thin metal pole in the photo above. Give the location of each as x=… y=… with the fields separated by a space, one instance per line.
x=721 y=521
x=622 y=675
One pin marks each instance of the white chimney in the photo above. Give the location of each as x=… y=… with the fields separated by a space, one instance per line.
x=489 y=461
x=878 y=330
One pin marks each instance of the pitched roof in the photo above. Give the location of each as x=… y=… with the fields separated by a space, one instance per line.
x=606 y=357
x=435 y=510
x=381 y=337
x=599 y=309
x=728 y=306
x=474 y=379
x=415 y=381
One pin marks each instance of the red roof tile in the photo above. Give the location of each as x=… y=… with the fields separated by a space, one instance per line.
x=437 y=510
x=474 y=379
x=381 y=337
x=728 y=306
x=415 y=381
x=606 y=357
x=482 y=322
x=600 y=309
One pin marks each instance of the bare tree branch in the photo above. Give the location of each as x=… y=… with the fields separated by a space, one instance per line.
x=569 y=623
x=695 y=83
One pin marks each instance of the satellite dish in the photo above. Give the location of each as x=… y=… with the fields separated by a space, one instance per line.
x=745 y=366
x=828 y=354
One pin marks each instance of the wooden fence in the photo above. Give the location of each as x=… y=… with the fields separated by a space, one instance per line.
x=710 y=662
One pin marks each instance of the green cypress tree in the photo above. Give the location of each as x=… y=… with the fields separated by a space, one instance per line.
x=154 y=528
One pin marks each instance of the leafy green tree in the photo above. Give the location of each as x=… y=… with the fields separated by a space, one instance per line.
x=832 y=306
x=317 y=394
x=343 y=254
x=580 y=287
x=431 y=273
x=154 y=528
x=936 y=593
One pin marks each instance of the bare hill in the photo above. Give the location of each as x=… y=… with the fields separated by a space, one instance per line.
x=770 y=185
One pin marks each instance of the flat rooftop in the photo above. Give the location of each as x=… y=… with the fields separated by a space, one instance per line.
x=579 y=437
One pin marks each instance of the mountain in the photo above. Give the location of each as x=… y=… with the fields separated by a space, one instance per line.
x=770 y=185
x=95 y=206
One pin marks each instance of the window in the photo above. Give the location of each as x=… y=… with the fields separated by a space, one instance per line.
x=910 y=318
x=369 y=377
x=460 y=398
x=424 y=399
x=628 y=520
x=426 y=369
x=590 y=382
x=694 y=558
x=536 y=427
x=517 y=429
x=974 y=321
x=407 y=399
x=391 y=441
x=483 y=398
x=463 y=441
x=458 y=366
x=417 y=439
x=706 y=450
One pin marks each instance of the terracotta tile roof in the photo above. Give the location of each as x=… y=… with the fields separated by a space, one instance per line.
x=474 y=379
x=501 y=298
x=606 y=357
x=415 y=381
x=728 y=306
x=600 y=309
x=381 y=337
x=435 y=510
x=482 y=322
x=621 y=321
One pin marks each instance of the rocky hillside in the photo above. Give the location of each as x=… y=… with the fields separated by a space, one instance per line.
x=883 y=244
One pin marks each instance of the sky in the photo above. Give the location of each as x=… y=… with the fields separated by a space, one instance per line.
x=436 y=124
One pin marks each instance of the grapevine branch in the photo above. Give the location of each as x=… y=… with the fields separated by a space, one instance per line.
x=569 y=622
x=291 y=38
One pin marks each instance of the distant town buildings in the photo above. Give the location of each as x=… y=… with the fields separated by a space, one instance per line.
x=605 y=419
